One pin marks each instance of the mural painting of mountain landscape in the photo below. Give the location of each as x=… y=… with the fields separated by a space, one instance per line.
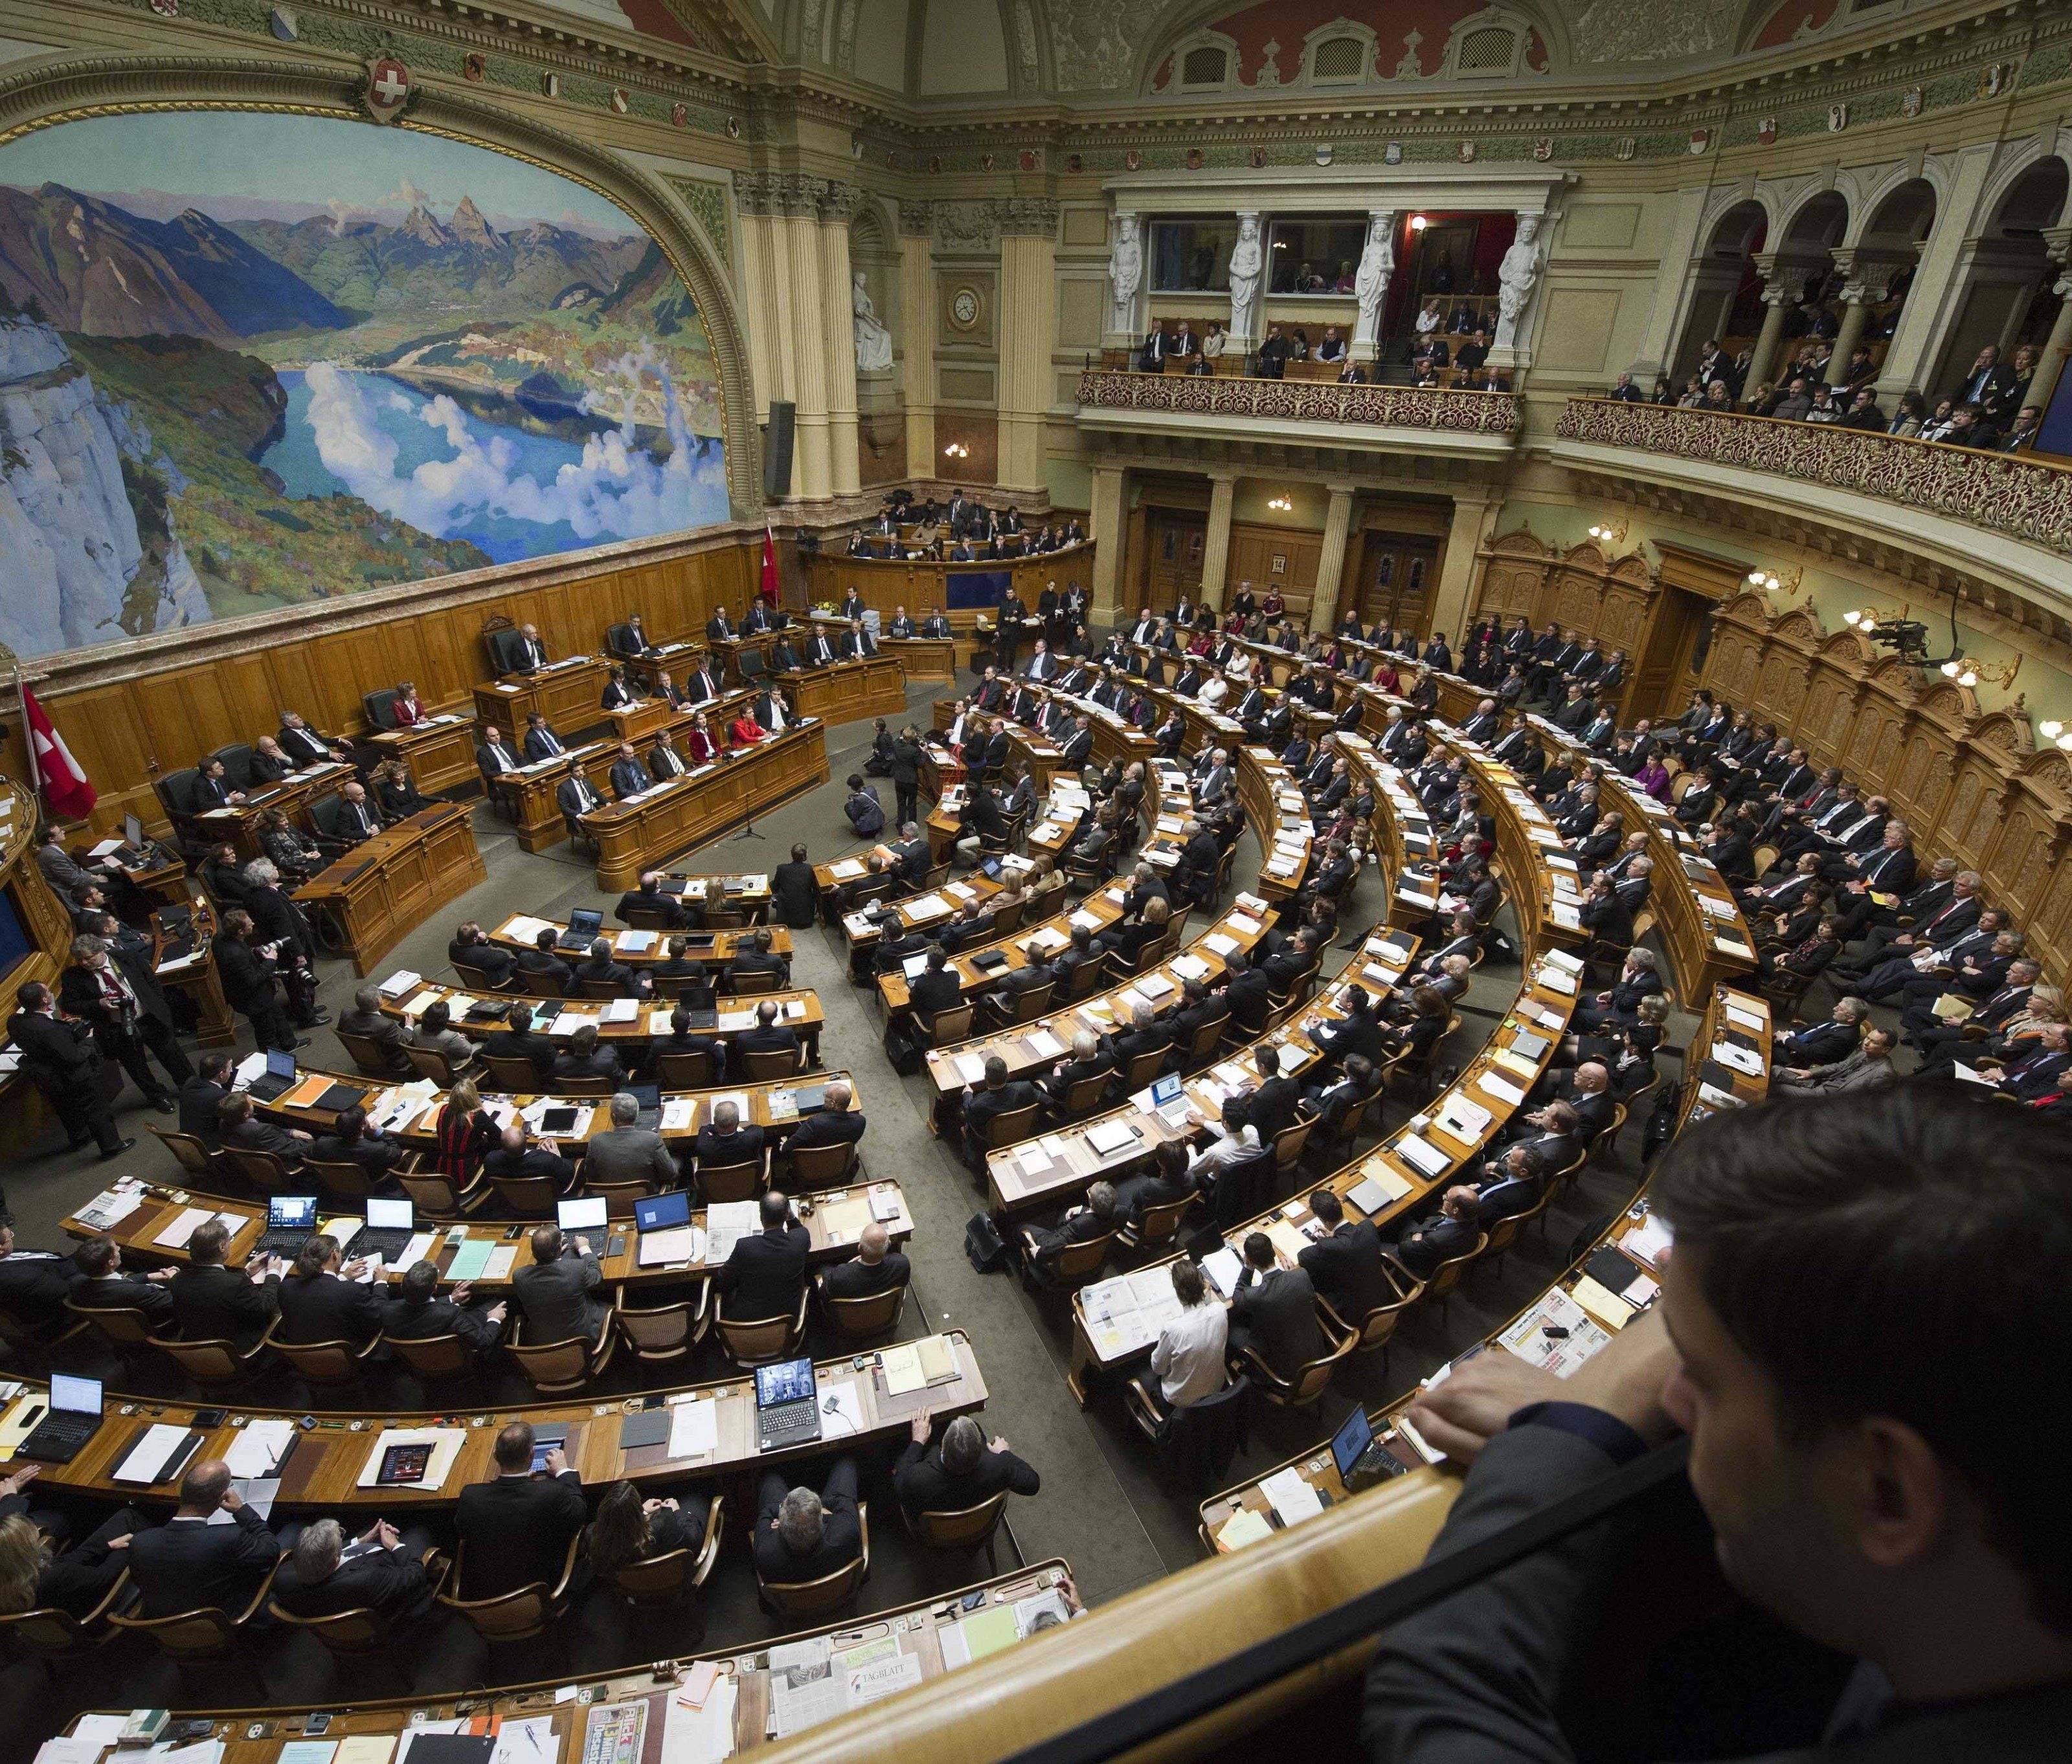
x=251 y=361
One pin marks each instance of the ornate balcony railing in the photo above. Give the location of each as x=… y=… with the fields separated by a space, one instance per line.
x=2028 y=499
x=1302 y=401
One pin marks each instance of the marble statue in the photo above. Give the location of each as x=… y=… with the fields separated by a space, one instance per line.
x=873 y=341
x=1370 y=284
x=1247 y=267
x=1516 y=278
x=1125 y=270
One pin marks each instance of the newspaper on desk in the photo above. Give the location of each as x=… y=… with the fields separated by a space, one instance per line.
x=1561 y=1354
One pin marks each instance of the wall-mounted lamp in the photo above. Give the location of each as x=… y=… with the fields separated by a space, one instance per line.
x=1970 y=673
x=1609 y=533
x=956 y=450
x=1870 y=620
x=1775 y=581
x=2052 y=730
x=1418 y=223
x=1281 y=504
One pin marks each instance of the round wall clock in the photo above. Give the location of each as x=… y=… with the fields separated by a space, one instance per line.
x=965 y=307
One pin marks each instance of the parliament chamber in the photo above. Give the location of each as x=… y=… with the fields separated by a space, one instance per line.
x=903 y=879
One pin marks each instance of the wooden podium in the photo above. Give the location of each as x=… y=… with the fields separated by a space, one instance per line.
x=569 y=695
x=385 y=886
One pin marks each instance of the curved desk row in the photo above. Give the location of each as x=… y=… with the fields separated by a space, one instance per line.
x=554 y=1015
x=1596 y=1298
x=156 y=1233
x=633 y=948
x=1112 y=1327
x=332 y=1467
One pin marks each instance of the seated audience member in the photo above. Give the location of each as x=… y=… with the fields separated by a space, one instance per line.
x=102 y=1284
x=433 y=1029
x=587 y=1060
x=802 y=1535
x=1190 y=1361
x=1273 y=1312
x=765 y=1277
x=515 y=1530
x=366 y=1021
x=834 y=1121
x=1233 y=1140
x=38 y=1573
x=1345 y=1265
x=188 y=1564
x=416 y=1312
x=627 y=1152
x=966 y=1469
x=875 y=1268
x=1453 y=1232
x=1866 y=1066
x=1043 y=1245
x=557 y=1294
x=633 y=1526
x=1168 y=1179
x=517 y=1039
x=381 y=1570
x=321 y=1298
x=213 y=1302
x=724 y=1140
x=1000 y=1095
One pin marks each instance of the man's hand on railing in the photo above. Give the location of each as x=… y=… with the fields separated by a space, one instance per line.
x=1626 y=1379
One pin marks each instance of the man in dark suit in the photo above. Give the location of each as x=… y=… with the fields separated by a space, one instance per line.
x=966 y=1469
x=555 y=1292
x=1449 y=1232
x=876 y=1268
x=1273 y=1311
x=724 y=1141
x=541 y=742
x=471 y=947
x=188 y=1564
x=35 y=1285
x=629 y=776
x=416 y=1312
x=494 y=755
x=321 y=1299
x=833 y=1123
x=381 y=1570
x=112 y=988
x=515 y=1530
x=768 y=1035
x=1822 y=1043
x=801 y=1536
x=201 y=1097
x=1274 y=1102
x=757 y=957
x=765 y=1277
x=602 y=969
x=577 y=798
x=1345 y=1268
x=1043 y=1245
x=544 y=970
x=999 y=1096
x=102 y=1284
x=937 y=987
x=61 y=1059
x=649 y=900
x=213 y=1302
x=350 y=1141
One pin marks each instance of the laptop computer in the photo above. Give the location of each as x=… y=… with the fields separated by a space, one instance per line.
x=587 y=1215
x=665 y=1225
x=279 y=1076
x=290 y=1222
x=1169 y=1099
x=1359 y=1455
x=390 y=1226
x=787 y=1405
x=649 y=1097
x=584 y=924
x=74 y=1418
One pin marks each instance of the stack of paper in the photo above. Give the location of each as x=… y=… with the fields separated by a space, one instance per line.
x=1292 y=1498
x=727 y=1222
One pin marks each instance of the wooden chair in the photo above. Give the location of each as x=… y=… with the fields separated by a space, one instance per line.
x=1505 y=1232
x=1158 y=1226
x=1377 y=1329
x=1088 y=978
x=873 y=1317
x=54 y=1633
x=513 y=1075
x=769 y=1065
x=1007 y=920
x=618 y=1197
x=367 y=1054
x=966 y=1530
x=647 y=918
x=1143 y=1067
x=584 y=1087
x=1311 y=1379
x=430 y=1063
x=759 y=1342
x=216 y=1364
x=124 y=1325
x=358 y=1634
x=825 y=1167
x=598 y=989
x=683 y=1069
x=945 y=1027
x=1026 y=1007
x=1083 y=1096
x=809 y=1600
x=435 y=1359
x=1290 y=1143
x=1439 y=1283
x=529 y=1197
x=1011 y=1126
x=743 y=986
x=514 y=1616
x=192 y=1637
x=667 y=1333
x=717 y=1182
x=556 y=1367
x=662 y=1583
x=1197 y=1440
x=436 y=1195
x=342 y=1180
x=264 y=1171
x=1202 y=1049
x=1074 y=1266
x=476 y=979
x=190 y=1152
x=327 y=1363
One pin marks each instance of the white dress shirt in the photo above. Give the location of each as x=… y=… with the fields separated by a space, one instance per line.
x=1189 y=1358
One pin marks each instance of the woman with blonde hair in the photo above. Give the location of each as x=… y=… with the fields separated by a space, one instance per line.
x=36 y=1574
x=464 y=1133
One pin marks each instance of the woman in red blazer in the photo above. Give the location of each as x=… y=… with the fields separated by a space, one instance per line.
x=406 y=709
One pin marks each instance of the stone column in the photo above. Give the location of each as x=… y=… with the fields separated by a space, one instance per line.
x=2058 y=241
x=1104 y=526
x=917 y=334
x=1215 y=549
x=1863 y=285
x=796 y=201
x=838 y=204
x=1331 y=561
x=1028 y=339
x=1777 y=300
x=1473 y=511
x=766 y=280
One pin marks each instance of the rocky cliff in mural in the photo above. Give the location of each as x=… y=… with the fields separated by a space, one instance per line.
x=86 y=511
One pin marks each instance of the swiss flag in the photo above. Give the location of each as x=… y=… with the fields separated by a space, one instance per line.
x=68 y=792
x=769 y=590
